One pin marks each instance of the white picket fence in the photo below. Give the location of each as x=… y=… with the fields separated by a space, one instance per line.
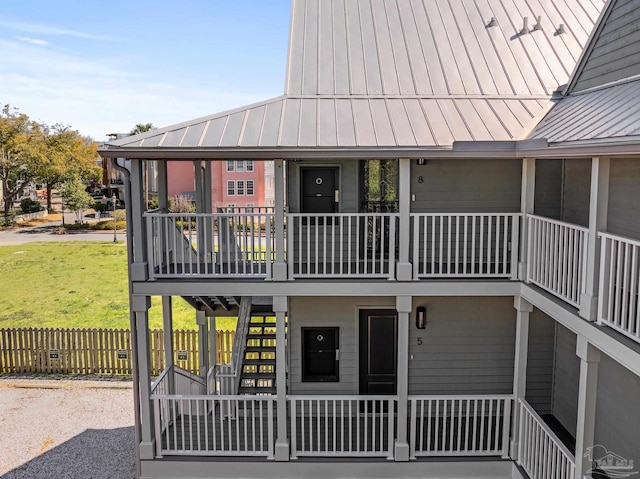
x=557 y=257
x=459 y=425
x=465 y=245
x=540 y=453
x=619 y=303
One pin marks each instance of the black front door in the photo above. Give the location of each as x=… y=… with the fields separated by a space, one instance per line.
x=319 y=186
x=378 y=351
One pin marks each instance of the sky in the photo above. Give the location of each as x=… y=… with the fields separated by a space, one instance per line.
x=102 y=67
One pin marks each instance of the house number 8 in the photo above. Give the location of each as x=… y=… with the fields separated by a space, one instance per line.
x=420 y=179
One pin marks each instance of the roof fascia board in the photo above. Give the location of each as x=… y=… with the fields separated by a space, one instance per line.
x=586 y=51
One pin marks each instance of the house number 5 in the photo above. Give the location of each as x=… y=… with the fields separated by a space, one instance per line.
x=419 y=341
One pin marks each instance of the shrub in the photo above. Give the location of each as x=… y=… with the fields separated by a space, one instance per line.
x=181 y=204
x=27 y=205
x=108 y=225
x=120 y=215
x=100 y=206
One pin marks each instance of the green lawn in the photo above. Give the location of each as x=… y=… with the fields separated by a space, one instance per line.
x=75 y=284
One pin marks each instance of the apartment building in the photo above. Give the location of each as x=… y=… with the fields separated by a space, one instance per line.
x=452 y=260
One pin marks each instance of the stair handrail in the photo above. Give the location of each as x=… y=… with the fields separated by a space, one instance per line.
x=232 y=370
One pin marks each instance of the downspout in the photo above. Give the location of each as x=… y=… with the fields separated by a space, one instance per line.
x=132 y=316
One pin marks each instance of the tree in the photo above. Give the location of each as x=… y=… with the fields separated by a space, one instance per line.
x=75 y=196
x=20 y=151
x=66 y=154
x=143 y=128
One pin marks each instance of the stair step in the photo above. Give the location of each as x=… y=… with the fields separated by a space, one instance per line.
x=270 y=375
x=260 y=349
x=259 y=362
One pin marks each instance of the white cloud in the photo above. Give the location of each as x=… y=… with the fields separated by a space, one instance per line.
x=39 y=29
x=33 y=41
x=105 y=95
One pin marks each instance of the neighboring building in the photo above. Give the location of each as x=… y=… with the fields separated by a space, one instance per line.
x=235 y=183
x=453 y=260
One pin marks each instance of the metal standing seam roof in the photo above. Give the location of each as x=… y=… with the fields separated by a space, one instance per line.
x=394 y=73
x=607 y=114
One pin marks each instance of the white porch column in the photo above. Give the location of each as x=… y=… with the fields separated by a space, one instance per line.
x=598 y=207
x=587 y=391
x=404 y=270
x=167 y=326
x=279 y=267
x=527 y=198
x=524 y=309
x=207 y=188
x=203 y=343
x=140 y=306
x=403 y=306
x=139 y=269
x=282 y=441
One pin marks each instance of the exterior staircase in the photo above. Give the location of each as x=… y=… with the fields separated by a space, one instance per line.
x=258 y=374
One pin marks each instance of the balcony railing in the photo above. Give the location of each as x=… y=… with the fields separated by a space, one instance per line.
x=342 y=245
x=540 y=453
x=342 y=426
x=619 y=303
x=460 y=425
x=210 y=245
x=480 y=245
x=557 y=257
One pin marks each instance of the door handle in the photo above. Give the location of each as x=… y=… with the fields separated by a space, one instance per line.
x=337 y=354
x=337 y=196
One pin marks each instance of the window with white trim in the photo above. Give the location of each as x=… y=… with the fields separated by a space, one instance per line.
x=240 y=187
x=250 y=187
x=231 y=188
x=249 y=165
x=230 y=165
x=239 y=165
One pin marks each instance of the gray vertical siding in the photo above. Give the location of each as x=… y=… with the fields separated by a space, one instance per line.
x=548 y=194
x=466 y=186
x=624 y=198
x=577 y=185
x=542 y=333
x=566 y=379
x=617 y=418
x=615 y=54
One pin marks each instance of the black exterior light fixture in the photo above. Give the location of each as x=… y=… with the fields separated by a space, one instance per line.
x=421 y=317
x=421 y=161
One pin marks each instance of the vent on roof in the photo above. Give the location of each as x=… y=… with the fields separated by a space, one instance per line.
x=560 y=29
x=525 y=26
x=538 y=25
x=492 y=23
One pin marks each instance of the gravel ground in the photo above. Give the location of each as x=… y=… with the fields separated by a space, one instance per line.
x=75 y=429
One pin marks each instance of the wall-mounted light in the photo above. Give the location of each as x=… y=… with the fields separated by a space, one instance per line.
x=421 y=317
x=421 y=161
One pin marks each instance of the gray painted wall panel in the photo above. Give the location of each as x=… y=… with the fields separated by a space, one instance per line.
x=624 y=198
x=461 y=186
x=467 y=346
x=617 y=418
x=548 y=192
x=566 y=379
x=542 y=332
x=577 y=184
